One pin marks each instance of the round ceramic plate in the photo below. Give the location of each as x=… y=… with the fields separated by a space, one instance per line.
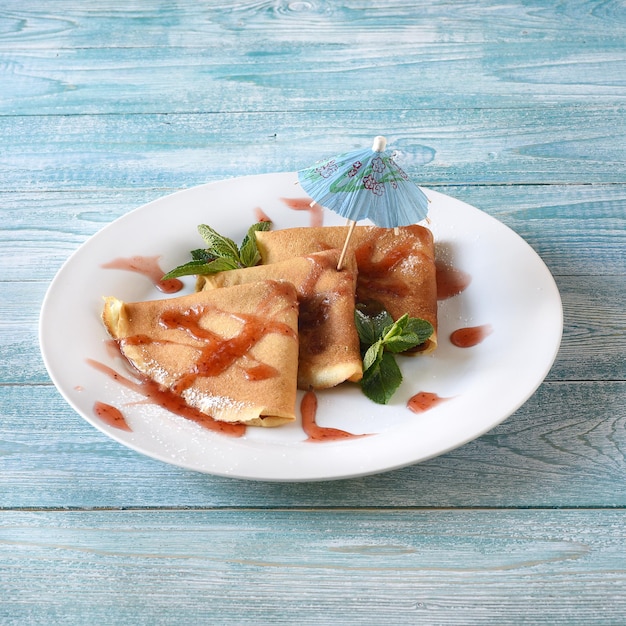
x=510 y=291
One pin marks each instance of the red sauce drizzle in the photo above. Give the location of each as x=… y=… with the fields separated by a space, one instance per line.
x=111 y=415
x=149 y=267
x=319 y=434
x=450 y=281
x=216 y=353
x=261 y=371
x=471 y=336
x=423 y=401
x=261 y=215
x=170 y=401
x=304 y=204
x=374 y=276
x=112 y=348
x=382 y=267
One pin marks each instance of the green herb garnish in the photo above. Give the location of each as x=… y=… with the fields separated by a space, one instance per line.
x=381 y=338
x=222 y=253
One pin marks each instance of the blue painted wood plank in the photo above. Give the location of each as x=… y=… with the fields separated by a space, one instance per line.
x=280 y=78
x=593 y=345
x=313 y=567
x=551 y=145
x=278 y=56
x=576 y=229
x=563 y=448
x=111 y=23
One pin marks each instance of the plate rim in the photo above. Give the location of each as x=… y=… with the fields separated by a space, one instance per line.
x=61 y=388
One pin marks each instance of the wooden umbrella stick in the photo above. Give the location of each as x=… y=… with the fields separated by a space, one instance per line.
x=342 y=256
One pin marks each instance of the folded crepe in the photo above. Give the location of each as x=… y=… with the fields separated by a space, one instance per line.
x=395 y=269
x=232 y=353
x=329 y=342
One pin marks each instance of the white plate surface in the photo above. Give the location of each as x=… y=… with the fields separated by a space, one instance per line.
x=511 y=290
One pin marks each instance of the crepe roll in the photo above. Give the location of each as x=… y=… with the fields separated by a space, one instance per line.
x=395 y=269
x=329 y=343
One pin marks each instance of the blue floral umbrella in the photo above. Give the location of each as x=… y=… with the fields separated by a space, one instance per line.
x=365 y=184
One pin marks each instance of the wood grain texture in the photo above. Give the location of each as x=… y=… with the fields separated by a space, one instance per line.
x=109 y=23
x=313 y=56
x=350 y=567
x=565 y=447
x=593 y=345
x=576 y=229
x=540 y=145
x=515 y=107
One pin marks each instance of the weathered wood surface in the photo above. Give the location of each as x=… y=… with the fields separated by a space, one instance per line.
x=534 y=145
x=64 y=57
x=517 y=108
x=229 y=567
x=544 y=455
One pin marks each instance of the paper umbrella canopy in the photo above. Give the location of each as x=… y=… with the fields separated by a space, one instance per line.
x=365 y=184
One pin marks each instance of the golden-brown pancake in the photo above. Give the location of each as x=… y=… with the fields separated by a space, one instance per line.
x=329 y=342
x=394 y=269
x=232 y=353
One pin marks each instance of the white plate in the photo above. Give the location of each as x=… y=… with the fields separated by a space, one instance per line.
x=511 y=290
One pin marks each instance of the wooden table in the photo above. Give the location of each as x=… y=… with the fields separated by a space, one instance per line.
x=518 y=108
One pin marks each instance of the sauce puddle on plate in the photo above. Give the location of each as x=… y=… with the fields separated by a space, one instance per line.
x=260 y=215
x=423 y=401
x=320 y=434
x=111 y=415
x=149 y=267
x=169 y=401
x=470 y=336
x=450 y=280
x=306 y=204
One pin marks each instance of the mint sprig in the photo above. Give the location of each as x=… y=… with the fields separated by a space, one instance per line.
x=381 y=338
x=222 y=253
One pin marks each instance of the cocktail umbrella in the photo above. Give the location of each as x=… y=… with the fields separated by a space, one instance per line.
x=365 y=184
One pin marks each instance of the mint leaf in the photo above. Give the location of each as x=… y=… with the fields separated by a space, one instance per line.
x=371 y=322
x=381 y=381
x=222 y=253
x=395 y=329
x=202 y=255
x=220 y=265
x=421 y=328
x=415 y=332
x=248 y=252
x=373 y=353
x=186 y=269
x=218 y=244
x=381 y=338
x=200 y=267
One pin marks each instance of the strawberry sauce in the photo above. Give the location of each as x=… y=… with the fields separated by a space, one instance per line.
x=319 y=434
x=423 y=401
x=450 y=281
x=149 y=267
x=306 y=204
x=470 y=336
x=168 y=400
x=111 y=415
